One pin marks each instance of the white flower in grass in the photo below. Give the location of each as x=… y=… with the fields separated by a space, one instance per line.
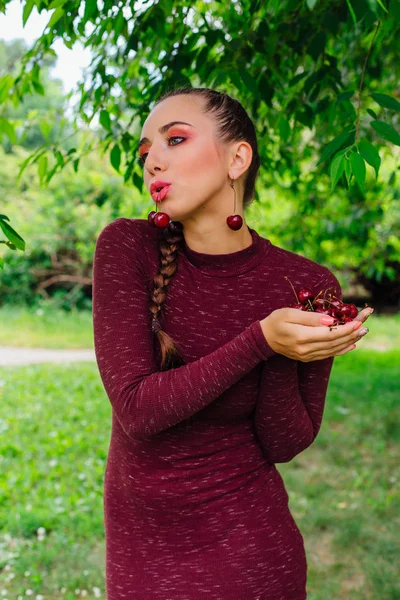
x=41 y=531
x=96 y=592
x=52 y=462
x=28 y=592
x=39 y=597
x=27 y=573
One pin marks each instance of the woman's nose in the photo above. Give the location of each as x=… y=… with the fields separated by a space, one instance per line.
x=154 y=160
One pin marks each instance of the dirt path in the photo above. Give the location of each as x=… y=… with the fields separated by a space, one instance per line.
x=29 y=356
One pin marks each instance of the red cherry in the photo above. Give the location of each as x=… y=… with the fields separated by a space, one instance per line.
x=175 y=226
x=347 y=319
x=234 y=222
x=151 y=216
x=336 y=303
x=305 y=294
x=298 y=305
x=354 y=311
x=161 y=220
x=346 y=310
x=319 y=303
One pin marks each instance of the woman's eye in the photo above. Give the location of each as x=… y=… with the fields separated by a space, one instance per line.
x=176 y=137
x=142 y=159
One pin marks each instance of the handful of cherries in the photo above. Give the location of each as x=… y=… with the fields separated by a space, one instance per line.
x=327 y=305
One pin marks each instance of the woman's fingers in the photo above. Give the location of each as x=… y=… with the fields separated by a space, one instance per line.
x=335 y=345
x=328 y=353
x=352 y=347
x=323 y=334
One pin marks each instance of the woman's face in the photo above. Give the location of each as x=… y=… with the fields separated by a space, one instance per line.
x=189 y=157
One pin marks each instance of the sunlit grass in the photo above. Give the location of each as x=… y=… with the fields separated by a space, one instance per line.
x=344 y=490
x=48 y=327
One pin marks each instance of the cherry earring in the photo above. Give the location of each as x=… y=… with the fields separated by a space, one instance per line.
x=234 y=221
x=158 y=219
x=162 y=220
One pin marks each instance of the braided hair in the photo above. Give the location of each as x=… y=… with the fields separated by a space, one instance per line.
x=233 y=124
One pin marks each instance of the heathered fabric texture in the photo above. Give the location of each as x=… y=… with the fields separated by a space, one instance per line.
x=194 y=507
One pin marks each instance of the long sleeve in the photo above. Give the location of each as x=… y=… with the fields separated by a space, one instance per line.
x=291 y=398
x=147 y=401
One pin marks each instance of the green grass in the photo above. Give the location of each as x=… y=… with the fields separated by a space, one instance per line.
x=49 y=327
x=45 y=327
x=344 y=489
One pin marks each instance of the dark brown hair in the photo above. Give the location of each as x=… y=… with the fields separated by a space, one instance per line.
x=233 y=124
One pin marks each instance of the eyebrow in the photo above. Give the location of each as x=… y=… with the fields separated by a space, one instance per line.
x=163 y=129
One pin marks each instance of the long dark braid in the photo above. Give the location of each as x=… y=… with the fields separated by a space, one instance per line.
x=170 y=246
x=233 y=124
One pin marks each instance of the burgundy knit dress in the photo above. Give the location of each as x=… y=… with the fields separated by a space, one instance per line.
x=194 y=507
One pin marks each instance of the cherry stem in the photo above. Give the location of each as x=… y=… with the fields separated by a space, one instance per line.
x=292 y=288
x=320 y=292
x=310 y=303
x=329 y=301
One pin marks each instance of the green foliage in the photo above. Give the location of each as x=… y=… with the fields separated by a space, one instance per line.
x=353 y=234
x=318 y=79
x=61 y=224
x=150 y=48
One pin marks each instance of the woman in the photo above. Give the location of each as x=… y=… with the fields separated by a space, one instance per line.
x=194 y=505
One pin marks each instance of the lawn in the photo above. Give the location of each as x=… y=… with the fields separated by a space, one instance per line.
x=55 y=426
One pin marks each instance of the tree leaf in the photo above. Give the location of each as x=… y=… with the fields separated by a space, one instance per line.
x=56 y=4
x=343 y=138
x=105 y=120
x=382 y=5
x=370 y=154
x=90 y=9
x=56 y=16
x=8 y=128
x=12 y=235
x=386 y=101
x=359 y=169
x=137 y=181
x=347 y=172
x=27 y=11
x=372 y=113
x=42 y=167
x=311 y=4
x=353 y=14
x=336 y=169
x=38 y=87
x=284 y=128
x=344 y=96
x=386 y=131
x=115 y=157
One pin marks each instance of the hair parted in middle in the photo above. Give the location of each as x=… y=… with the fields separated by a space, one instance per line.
x=233 y=124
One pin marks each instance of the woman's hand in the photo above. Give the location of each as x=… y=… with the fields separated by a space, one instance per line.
x=300 y=335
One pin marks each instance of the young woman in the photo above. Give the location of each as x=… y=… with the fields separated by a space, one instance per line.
x=211 y=378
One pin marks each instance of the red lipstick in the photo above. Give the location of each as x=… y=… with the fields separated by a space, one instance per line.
x=159 y=189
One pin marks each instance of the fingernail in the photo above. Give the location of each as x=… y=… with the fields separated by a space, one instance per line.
x=357 y=325
x=363 y=331
x=327 y=320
